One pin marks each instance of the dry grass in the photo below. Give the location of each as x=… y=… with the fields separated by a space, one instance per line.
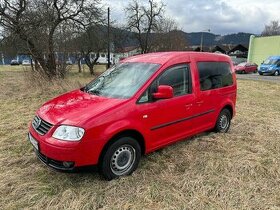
x=237 y=170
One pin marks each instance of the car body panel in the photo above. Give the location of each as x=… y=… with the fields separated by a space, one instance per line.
x=246 y=67
x=159 y=122
x=271 y=68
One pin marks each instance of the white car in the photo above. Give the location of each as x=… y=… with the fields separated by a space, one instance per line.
x=26 y=63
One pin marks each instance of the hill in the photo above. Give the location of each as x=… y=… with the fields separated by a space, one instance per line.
x=210 y=39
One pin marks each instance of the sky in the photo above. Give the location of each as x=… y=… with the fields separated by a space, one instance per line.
x=220 y=16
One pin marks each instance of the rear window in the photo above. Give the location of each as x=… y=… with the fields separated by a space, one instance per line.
x=214 y=75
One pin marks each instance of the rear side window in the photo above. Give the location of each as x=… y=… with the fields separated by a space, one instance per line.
x=214 y=75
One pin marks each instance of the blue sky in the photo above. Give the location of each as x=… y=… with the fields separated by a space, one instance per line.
x=220 y=16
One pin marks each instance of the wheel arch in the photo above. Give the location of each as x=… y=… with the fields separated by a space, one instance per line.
x=229 y=107
x=126 y=133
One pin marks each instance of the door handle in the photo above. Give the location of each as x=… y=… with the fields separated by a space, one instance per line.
x=199 y=102
x=188 y=106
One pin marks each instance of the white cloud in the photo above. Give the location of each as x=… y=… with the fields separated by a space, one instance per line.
x=221 y=16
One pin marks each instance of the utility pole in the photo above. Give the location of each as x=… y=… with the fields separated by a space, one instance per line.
x=201 y=40
x=108 y=33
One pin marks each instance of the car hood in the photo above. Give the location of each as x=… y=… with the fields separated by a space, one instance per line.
x=239 y=67
x=267 y=65
x=75 y=107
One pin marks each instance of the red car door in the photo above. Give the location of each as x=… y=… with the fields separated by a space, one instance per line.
x=214 y=78
x=167 y=120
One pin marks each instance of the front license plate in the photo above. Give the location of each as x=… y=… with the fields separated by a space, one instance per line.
x=33 y=141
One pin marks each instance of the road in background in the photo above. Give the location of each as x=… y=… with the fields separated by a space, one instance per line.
x=258 y=77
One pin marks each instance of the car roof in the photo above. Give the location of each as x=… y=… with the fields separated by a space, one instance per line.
x=164 y=57
x=274 y=57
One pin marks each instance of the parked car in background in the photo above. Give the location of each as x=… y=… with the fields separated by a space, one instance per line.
x=142 y=104
x=69 y=62
x=245 y=68
x=26 y=63
x=271 y=66
x=15 y=62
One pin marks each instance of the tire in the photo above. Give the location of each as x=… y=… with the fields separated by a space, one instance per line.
x=276 y=73
x=223 y=121
x=243 y=72
x=121 y=158
x=260 y=73
x=255 y=71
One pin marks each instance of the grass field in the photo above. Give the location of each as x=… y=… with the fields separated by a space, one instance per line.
x=237 y=170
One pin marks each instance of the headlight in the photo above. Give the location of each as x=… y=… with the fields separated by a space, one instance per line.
x=68 y=133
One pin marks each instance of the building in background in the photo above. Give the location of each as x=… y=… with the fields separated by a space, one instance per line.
x=260 y=48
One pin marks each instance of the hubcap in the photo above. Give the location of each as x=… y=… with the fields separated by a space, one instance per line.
x=276 y=73
x=122 y=160
x=224 y=122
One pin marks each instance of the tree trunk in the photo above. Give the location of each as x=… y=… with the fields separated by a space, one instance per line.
x=90 y=63
x=79 y=64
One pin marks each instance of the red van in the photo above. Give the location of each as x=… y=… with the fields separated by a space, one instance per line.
x=142 y=104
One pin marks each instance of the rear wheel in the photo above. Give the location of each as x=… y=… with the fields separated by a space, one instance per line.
x=276 y=73
x=243 y=72
x=223 y=121
x=260 y=73
x=121 y=158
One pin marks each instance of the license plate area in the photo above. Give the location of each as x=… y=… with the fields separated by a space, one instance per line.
x=33 y=141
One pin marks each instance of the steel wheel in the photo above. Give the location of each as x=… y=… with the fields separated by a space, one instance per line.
x=223 y=121
x=122 y=160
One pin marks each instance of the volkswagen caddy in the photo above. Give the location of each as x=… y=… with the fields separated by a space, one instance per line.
x=140 y=105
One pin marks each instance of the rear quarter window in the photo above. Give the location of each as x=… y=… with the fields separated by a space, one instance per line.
x=214 y=75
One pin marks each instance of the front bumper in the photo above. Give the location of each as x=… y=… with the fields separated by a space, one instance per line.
x=239 y=71
x=63 y=155
x=271 y=72
x=56 y=164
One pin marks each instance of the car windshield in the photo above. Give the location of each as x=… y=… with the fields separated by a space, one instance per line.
x=242 y=64
x=270 y=61
x=122 y=80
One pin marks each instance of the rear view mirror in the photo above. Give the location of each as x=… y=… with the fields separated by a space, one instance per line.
x=164 y=92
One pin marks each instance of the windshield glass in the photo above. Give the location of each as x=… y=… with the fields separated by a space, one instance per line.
x=270 y=61
x=242 y=64
x=122 y=80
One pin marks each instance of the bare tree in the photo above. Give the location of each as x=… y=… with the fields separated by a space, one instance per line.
x=169 y=37
x=144 y=20
x=93 y=41
x=36 y=22
x=272 y=29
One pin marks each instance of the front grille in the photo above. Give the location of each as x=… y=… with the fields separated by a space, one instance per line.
x=56 y=164
x=41 y=126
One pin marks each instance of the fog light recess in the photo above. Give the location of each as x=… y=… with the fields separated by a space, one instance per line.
x=68 y=164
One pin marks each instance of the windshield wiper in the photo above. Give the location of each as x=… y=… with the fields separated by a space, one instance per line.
x=95 y=92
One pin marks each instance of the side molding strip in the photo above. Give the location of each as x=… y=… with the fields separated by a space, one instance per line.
x=181 y=120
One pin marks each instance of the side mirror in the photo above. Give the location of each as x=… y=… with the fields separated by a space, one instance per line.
x=164 y=92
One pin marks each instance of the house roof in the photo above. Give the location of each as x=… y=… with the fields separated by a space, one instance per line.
x=218 y=48
x=239 y=47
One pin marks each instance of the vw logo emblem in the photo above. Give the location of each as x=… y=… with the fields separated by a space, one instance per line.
x=36 y=122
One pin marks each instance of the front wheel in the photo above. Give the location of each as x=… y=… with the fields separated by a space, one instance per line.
x=276 y=73
x=223 y=121
x=121 y=158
